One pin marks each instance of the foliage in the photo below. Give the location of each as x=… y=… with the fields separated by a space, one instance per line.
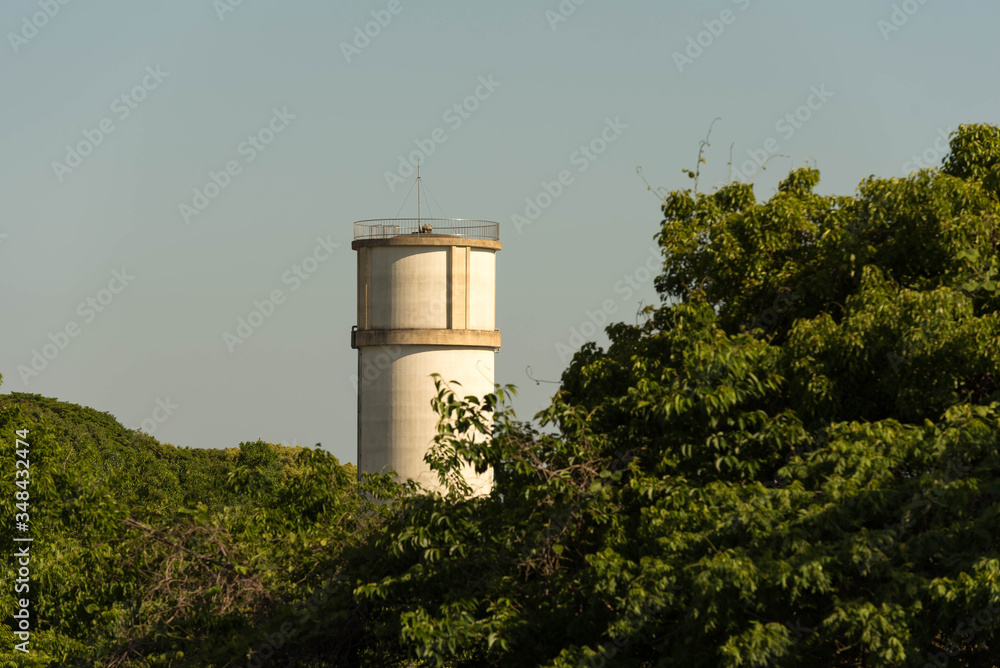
x=792 y=461
x=151 y=555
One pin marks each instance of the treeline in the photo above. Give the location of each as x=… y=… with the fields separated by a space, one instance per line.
x=792 y=461
x=129 y=532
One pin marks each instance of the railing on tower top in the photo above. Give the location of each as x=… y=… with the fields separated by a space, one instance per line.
x=456 y=227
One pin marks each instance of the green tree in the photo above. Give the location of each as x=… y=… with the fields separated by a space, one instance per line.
x=793 y=460
x=258 y=469
x=201 y=574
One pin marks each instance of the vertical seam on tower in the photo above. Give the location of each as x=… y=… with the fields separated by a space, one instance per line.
x=360 y=380
x=450 y=289
x=368 y=288
x=468 y=278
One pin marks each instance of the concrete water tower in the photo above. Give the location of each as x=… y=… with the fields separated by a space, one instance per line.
x=426 y=304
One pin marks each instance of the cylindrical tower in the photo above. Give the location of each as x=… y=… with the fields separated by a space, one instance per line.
x=426 y=304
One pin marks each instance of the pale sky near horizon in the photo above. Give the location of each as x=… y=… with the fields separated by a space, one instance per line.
x=115 y=113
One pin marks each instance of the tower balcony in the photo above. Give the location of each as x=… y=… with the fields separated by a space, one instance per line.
x=461 y=228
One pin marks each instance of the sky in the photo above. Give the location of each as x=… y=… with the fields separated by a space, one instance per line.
x=164 y=166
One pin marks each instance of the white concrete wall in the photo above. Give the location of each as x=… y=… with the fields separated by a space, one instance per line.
x=482 y=288
x=409 y=287
x=420 y=287
x=397 y=424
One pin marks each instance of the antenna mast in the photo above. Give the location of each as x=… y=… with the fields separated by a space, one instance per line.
x=418 y=194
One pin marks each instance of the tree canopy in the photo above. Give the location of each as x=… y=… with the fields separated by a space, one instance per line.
x=793 y=460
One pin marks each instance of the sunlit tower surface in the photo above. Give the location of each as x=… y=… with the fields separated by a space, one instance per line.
x=426 y=304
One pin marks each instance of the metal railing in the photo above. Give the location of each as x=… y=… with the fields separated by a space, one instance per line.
x=455 y=227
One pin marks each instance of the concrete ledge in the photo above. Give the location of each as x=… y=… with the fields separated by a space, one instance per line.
x=478 y=338
x=425 y=240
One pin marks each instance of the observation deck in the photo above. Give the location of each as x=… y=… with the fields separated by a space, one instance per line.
x=461 y=228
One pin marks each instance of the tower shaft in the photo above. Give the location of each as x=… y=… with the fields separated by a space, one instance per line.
x=426 y=304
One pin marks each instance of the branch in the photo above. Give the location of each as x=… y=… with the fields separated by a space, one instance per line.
x=656 y=191
x=764 y=166
x=701 y=149
x=129 y=522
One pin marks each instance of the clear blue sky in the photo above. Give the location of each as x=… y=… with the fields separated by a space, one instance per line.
x=198 y=81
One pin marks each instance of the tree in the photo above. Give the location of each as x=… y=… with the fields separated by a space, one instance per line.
x=204 y=575
x=792 y=461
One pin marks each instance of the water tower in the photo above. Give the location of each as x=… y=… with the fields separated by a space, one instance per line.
x=426 y=304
